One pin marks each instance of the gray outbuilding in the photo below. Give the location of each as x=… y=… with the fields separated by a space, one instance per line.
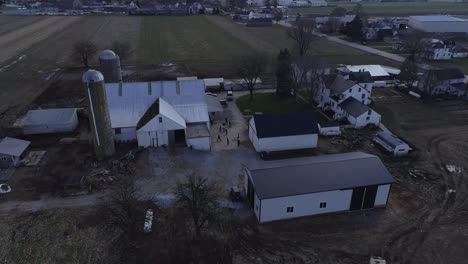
x=11 y=151
x=392 y=144
x=293 y=188
x=44 y=121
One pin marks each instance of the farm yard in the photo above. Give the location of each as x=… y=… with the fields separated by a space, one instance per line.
x=395 y=8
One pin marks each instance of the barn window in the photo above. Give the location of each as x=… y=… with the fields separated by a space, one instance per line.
x=290 y=209
x=368 y=118
x=118 y=131
x=323 y=205
x=160 y=119
x=369 y=112
x=3 y=158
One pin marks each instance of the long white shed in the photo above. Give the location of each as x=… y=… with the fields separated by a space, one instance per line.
x=291 y=188
x=283 y=131
x=44 y=121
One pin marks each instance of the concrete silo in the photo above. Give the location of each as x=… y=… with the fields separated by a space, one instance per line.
x=98 y=110
x=109 y=65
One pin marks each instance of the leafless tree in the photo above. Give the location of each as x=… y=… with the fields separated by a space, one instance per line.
x=83 y=51
x=250 y=68
x=199 y=197
x=333 y=24
x=123 y=49
x=414 y=46
x=303 y=35
x=300 y=69
x=316 y=77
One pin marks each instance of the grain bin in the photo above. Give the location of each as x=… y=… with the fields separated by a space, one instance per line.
x=99 y=118
x=109 y=65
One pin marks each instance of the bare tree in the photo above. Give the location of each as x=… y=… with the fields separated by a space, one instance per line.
x=83 y=51
x=414 y=46
x=300 y=68
x=333 y=24
x=303 y=34
x=316 y=77
x=198 y=196
x=250 y=68
x=123 y=49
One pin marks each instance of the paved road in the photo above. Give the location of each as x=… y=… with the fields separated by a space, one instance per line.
x=367 y=49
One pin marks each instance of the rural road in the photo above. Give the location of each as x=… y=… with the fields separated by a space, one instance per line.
x=367 y=49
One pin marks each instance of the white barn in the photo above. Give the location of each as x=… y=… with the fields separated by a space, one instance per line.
x=392 y=144
x=11 y=151
x=283 y=131
x=291 y=188
x=156 y=114
x=43 y=121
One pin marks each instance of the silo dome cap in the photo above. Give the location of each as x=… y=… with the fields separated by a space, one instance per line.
x=107 y=55
x=92 y=75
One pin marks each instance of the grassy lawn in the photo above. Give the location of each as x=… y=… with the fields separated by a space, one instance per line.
x=395 y=8
x=462 y=64
x=192 y=40
x=270 y=103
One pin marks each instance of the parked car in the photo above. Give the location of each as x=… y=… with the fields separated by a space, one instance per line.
x=230 y=96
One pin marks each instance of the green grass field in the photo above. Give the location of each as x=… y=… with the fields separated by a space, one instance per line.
x=193 y=40
x=394 y=8
x=269 y=103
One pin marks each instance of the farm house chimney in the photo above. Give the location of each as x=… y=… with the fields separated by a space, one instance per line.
x=109 y=65
x=99 y=118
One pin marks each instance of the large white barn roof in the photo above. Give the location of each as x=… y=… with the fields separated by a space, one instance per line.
x=437 y=18
x=49 y=116
x=374 y=70
x=128 y=102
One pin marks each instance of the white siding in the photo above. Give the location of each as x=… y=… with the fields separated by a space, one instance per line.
x=126 y=134
x=69 y=126
x=382 y=195
x=165 y=124
x=306 y=204
x=361 y=121
x=287 y=143
x=152 y=138
x=203 y=143
x=330 y=131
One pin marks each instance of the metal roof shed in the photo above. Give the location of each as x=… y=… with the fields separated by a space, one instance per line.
x=315 y=185
x=11 y=151
x=60 y=120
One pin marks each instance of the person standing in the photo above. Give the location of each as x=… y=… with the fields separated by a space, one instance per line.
x=218 y=139
x=227 y=141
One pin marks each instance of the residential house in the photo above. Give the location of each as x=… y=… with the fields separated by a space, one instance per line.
x=291 y=188
x=459 y=52
x=283 y=131
x=356 y=113
x=443 y=81
x=435 y=49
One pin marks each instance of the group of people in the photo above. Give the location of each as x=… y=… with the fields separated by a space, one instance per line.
x=224 y=128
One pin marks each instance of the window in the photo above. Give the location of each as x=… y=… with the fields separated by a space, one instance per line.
x=160 y=119
x=363 y=96
x=290 y=209
x=368 y=118
x=3 y=158
x=351 y=90
x=323 y=205
x=359 y=90
x=369 y=112
x=118 y=131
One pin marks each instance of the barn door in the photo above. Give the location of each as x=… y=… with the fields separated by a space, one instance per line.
x=250 y=193
x=369 y=197
x=357 y=198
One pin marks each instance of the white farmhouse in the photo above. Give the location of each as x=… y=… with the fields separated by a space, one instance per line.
x=443 y=81
x=356 y=113
x=341 y=88
x=164 y=113
x=436 y=49
x=291 y=188
x=283 y=131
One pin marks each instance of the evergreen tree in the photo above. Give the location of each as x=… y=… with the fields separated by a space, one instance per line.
x=355 y=29
x=283 y=72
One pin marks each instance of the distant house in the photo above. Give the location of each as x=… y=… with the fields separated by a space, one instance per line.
x=292 y=188
x=443 y=81
x=340 y=87
x=392 y=144
x=380 y=75
x=12 y=150
x=459 y=52
x=283 y=131
x=435 y=49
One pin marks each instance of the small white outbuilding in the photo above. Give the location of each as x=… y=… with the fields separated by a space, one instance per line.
x=392 y=144
x=11 y=151
x=291 y=188
x=44 y=121
x=283 y=131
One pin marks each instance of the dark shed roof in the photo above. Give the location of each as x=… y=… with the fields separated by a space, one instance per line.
x=285 y=124
x=361 y=77
x=317 y=174
x=354 y=107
